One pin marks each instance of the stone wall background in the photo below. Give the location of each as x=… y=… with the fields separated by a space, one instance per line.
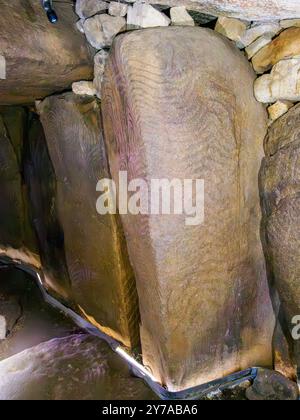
x=267 y=32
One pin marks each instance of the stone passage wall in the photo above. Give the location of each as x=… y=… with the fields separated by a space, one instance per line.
x=48 y=192
x=177 y=112
x=273 y=49
x=268 y=32
x=280 y=189
x=178 y=102
x=101 y=279
x=17 y=239
x=37 y=58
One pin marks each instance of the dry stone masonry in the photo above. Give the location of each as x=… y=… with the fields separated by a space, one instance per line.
x=268 y=44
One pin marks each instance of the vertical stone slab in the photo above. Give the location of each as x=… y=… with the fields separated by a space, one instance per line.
x=17 y=240
x=42 y=186
x=102 y=281
x=280 y=191
x=178 y=103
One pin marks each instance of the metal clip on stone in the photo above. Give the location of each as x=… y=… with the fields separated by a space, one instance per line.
x=48 y=7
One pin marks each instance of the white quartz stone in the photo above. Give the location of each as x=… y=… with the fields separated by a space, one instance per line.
x=180 y=17
x=84 y=88
x=142 y=15
x=283 y=83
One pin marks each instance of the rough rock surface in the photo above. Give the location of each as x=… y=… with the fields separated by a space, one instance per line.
x=283 y=83
x=40 y=58
x=257 y=45
x=78 y=367
x=36 y=320
x=142 y=15
x=101 y=279
x=16 y=233
x=40 y=179
x=180 y=16
x=79 y=25
x=84 y=88
x=288 y=23
x=272 y=386
x=231 y=28
x=280 y=186
x=100 y=61
x=100 y=30
x=256 y=31
x=278 y=109
x=193 y=283
x=283 y=344
x=88 y=8
x=117 y=9
x=285 y=46
x=258 y=10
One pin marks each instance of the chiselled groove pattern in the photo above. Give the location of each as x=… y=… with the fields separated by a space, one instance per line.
x=280 y=190
x=102 y=282
x=172 y=108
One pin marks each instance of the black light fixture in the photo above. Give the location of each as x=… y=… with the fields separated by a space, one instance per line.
x=51 y=14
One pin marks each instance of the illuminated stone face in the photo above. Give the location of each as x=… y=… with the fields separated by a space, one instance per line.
x=177 y=111
x=98 y=276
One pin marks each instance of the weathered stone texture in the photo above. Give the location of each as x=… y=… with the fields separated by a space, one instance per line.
x=40 y=58
x=101 y=279
x=41 y=181
x=283 y=83
x=88 y=8
x=272 y=386
x=16 y=234
x=177 y=112
x=280 y=190
x=77 y=367
x=285 y=46
x=258 y=10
